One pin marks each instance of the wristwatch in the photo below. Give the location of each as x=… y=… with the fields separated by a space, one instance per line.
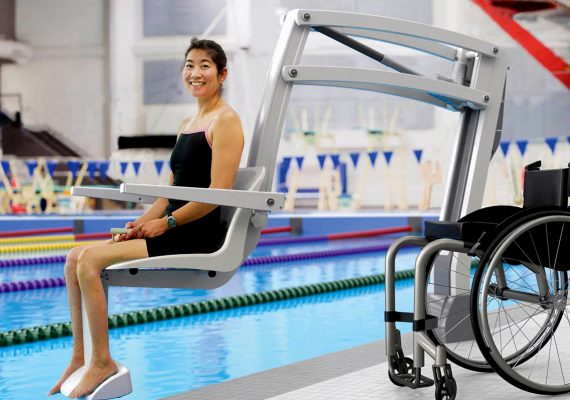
x=171 y=221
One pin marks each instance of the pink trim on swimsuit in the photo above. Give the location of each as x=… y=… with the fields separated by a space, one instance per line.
x=206 y=134
x=200 y=130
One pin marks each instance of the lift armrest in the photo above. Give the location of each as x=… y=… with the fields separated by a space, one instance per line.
x=263 y=201
x=111 y=194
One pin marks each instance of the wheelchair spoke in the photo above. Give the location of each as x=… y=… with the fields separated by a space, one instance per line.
x=535 y=360
x=520 y=248
x=559 y=241
x=455 y=326
x=522 y=278
x=509 y=326
x=461 y=311
x=535 y=249
x=548 y=363
x=450 y=287
x=520 y=329
x=547 y=244
x=559 y=361
x=529 y=347
x=522 y=306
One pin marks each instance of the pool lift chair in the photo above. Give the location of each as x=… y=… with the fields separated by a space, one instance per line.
x=474 y=89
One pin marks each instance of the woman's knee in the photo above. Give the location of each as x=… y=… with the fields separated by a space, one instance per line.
x=89 y=264
x=72 y=259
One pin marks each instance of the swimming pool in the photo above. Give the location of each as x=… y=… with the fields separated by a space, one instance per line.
x=186 y=353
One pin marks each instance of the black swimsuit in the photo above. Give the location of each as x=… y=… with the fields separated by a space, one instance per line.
x=191 y=162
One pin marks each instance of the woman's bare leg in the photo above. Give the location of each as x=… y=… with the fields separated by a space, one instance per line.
x=74 y=299
x=92 y=261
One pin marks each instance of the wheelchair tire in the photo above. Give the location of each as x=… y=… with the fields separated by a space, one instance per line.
x=530 y=290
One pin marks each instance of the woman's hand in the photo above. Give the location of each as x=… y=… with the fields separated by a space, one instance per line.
x=149 y=229
x=123 y=236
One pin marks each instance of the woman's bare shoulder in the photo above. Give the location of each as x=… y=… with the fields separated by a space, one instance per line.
x=228 y=115
x=183 y=124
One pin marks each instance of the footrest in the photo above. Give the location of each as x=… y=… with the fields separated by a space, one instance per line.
x=429 y=323
x=414 y=380
x=118 y=385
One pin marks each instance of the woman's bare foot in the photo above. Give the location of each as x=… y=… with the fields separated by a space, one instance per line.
x=94 y=376
x=71 y=368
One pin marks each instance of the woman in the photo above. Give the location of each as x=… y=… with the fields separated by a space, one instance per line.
x=207 y=154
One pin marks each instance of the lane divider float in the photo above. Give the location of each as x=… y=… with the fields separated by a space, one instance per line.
x=7 y=287
x=88 y=236
x=335 y=236
x=52 y=331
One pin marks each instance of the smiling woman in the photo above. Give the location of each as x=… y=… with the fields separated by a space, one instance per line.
x=206 y=155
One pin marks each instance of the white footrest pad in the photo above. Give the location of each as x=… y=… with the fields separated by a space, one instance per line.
x=117 y=385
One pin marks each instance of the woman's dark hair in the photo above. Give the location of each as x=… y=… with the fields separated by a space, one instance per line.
x=213 y=49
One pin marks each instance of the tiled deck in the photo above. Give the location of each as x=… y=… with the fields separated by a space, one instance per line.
x=355 y=374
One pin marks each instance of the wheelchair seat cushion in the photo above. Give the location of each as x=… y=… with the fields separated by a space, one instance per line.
x=471 y=227
x=468 y=231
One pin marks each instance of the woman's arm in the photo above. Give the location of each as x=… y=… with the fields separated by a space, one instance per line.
x=227 y=147
x=158 y=208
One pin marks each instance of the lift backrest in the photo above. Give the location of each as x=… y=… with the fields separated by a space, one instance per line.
x=242 y=240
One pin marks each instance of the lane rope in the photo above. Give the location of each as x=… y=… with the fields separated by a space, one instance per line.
x=334 y=236
x=7 y=287
x=97 y=235
x=52 y=331
x=30 y=232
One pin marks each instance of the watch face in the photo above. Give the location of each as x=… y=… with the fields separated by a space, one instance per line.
x=171 y=222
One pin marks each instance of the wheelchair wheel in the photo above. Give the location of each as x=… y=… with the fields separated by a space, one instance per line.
x=449 y=301
x=519 y=303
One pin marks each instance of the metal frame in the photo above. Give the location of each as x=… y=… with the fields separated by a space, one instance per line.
x=475 y=89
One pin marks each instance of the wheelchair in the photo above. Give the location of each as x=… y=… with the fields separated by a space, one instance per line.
x=490 y=294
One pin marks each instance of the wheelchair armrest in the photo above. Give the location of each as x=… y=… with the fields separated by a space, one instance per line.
x=111 y=194
x=263 y=201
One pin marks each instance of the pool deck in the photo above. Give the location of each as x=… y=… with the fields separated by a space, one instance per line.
x=355 y=374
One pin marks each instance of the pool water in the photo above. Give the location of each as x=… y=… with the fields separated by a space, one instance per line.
x=20 y=309
x=169 y=357
x=173 y=356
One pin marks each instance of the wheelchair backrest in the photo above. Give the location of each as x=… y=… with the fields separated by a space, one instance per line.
x=547 y=187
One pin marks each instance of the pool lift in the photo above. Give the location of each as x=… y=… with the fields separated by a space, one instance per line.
x=475 y=89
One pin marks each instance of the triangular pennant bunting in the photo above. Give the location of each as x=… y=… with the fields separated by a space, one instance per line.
x=336 y=160
x=51 y=166
x=354 y=157
x=372 y=156
x=32 y=165
x=551 y=142
x=6 y=167
x=521 y=144
x=103 y=168
x=322 y=158
x=124 y=165
x=158 y=166
x=286 y=163
x=418 y=154
x=504 y=147
x=299 y=161
x=92 y=168
x=73 y=167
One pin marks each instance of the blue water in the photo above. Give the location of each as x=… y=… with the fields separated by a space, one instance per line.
x=170 y=357
x=174 y=356
x=20 y=309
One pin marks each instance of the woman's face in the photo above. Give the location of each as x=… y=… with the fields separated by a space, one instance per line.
x=200 y=74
